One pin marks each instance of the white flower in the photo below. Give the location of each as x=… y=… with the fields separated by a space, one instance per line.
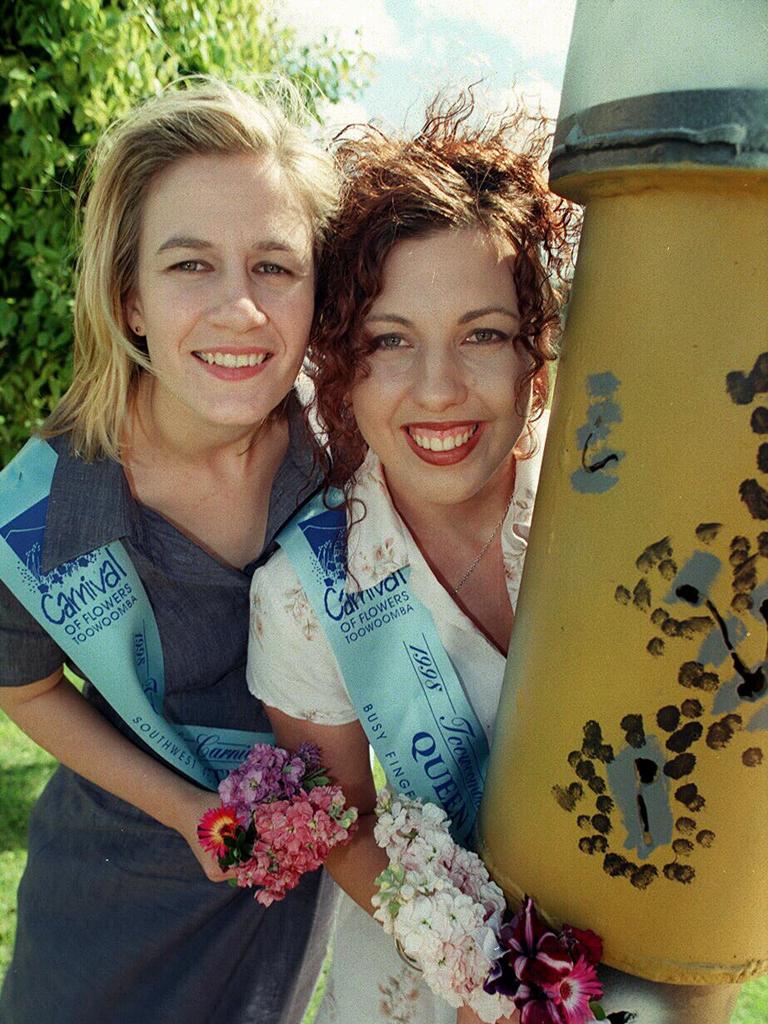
x=439 y=903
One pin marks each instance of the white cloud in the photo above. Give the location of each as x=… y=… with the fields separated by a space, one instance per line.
x=534 y=27
x=343 y=20
x=539 y=94
x=335 y=116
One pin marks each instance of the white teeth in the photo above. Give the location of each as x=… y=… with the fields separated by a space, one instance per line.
x=232 y=360
x=442 y=444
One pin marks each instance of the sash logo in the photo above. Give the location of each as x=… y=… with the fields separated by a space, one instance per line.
x=25 y=534
x=325 y=535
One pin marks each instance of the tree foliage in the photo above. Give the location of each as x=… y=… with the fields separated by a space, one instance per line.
x=67 y=70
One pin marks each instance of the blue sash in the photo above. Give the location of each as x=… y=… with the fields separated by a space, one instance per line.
x=97 y=611
x=401 y=681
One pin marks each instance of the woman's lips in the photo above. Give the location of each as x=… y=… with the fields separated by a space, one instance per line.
x=233 y=364
x=463 y=437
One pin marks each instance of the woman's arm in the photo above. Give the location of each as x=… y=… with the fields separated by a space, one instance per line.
x=54 y=714
x=345 y=754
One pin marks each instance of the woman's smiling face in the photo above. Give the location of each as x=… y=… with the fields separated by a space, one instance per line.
x=225 y=289
x=438 y=405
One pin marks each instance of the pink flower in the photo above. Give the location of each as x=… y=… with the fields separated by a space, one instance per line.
x=572 y=993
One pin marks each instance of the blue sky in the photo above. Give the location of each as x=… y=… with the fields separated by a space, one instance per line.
x=422 y=46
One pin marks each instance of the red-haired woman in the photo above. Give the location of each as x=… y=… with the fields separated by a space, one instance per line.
x=439 y=311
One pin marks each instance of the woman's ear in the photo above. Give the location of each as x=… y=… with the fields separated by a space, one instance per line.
x=132 y=312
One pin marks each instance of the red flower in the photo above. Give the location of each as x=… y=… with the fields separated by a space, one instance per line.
x=536 y=954
x=584 y=944
x=214 y=825
x=535 y=1009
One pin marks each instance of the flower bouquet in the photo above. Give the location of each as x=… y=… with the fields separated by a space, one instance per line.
x=448 y=920
x=280 y=817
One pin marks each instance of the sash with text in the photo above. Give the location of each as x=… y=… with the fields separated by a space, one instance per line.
x=400 y=679
x=97 y=611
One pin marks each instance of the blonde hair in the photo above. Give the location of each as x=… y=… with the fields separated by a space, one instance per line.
x=195 y=118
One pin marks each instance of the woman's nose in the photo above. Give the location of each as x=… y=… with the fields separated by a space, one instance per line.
x=238 y=307
x=440 y=381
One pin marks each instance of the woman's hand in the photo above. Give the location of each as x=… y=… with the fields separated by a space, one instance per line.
x=191 y=810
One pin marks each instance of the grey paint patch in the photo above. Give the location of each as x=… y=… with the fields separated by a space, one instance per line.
x=759 y=721
x=713 y=650
x=626 y=788
x=597 y=472
x=700 y=571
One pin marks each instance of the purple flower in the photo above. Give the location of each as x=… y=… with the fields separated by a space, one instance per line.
x=267 y=773
x=310 y=755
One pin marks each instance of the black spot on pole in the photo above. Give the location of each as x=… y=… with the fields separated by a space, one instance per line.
x=680 y=766
x=687 y=592
x=688 y=795
x=755 y=498
x=692 y=708
x=633 y=730
x=759 y=420
x=707 y=532
x=685 y=737
x=668 y=717
x=647 y=770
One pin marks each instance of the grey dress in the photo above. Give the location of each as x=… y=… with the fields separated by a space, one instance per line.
x=116 y=920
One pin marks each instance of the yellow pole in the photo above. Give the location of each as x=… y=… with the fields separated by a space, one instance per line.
x=628 y=785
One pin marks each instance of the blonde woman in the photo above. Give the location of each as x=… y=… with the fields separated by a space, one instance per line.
x=127 y=543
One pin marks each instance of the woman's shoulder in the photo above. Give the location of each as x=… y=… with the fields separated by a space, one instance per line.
x=276 y=572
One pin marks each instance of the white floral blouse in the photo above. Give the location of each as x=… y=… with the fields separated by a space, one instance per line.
x=290 y=663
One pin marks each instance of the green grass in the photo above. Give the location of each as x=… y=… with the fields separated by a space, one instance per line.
x=24 y=770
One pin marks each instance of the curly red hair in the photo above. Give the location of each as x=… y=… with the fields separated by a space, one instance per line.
x=450 y=175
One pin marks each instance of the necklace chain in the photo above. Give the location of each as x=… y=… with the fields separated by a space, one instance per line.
x=479 y=556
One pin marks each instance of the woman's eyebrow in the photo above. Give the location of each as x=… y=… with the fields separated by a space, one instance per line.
x=389 y=318
x=184 y=242
x=465 y=318
x=189 y=242
x=473 y=314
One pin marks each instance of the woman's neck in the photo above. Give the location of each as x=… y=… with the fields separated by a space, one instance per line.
x=159 y=422
x=436 y=524
x=461 y=543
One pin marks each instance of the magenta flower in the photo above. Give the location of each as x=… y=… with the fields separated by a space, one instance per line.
x=572 y=994
x=216 y=824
